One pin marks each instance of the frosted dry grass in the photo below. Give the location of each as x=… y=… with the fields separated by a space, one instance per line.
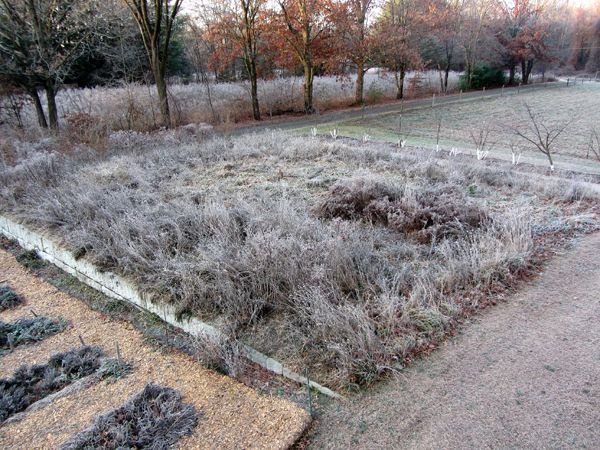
x=216 y=229
x=134 y=106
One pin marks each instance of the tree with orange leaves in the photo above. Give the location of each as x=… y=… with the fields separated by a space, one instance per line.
x=355 y=37
x=397 y=34
x=305 y=27
x=234 y=28
x=523 y=36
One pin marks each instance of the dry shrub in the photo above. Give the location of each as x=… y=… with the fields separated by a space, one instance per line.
x=436 y=211
x=32 y=383
x=26 y=331
x=154 y=418
x=222 y=353
x=87 y=129
x=9 y=299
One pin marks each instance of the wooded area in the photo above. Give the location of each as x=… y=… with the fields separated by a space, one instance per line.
x=45 y=44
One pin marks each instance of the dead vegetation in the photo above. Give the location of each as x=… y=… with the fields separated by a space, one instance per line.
x=429 y=212
x=346 y=270
x=32 y=383
x=28 y=330
x=154 y=418
x=9 y=299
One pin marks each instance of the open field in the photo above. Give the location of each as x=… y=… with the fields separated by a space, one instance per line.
x=342 y=257
x=228 y=414
x=502 y=114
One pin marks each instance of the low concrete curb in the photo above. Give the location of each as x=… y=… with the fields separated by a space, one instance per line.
x=117 y=287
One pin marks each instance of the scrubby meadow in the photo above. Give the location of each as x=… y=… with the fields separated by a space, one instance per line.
x=102 y=110
x=344 y=257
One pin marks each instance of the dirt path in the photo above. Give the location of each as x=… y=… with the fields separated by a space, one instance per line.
x=232 y=415
x=525 y=374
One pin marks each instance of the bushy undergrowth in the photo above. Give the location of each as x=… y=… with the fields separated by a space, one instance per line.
x=339 y=269
x=9 y=299
x=26 y=331
x=32 y=383
x=155 y=418
x=437 y=211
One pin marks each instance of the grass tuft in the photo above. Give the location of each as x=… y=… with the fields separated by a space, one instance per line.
x=9 y=299
x=113 y=369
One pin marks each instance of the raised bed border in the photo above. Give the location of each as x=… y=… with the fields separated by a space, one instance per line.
x=119 y=288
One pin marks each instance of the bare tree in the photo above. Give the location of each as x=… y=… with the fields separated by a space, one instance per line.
x=481 y=139
x=474 y=15
x=155 y=19
x=594 y=145
x=198 y=52
x=41 y=41
x=541 y=134
x=399 y=30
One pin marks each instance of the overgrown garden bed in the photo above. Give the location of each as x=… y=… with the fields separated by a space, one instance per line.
x=342 y=257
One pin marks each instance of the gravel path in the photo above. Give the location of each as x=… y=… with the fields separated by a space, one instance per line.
x=524 y=374
x=232 y=415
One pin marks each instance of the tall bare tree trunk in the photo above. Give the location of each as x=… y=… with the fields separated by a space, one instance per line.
x=526 y=67
x=469 y=73
x=254 y=89
x=39 y=109
x=309 y=76
x=446 y=76
x=52 y=109
x=360 y=83
x=156 y=29
x=163 y=98
x=400 y=84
